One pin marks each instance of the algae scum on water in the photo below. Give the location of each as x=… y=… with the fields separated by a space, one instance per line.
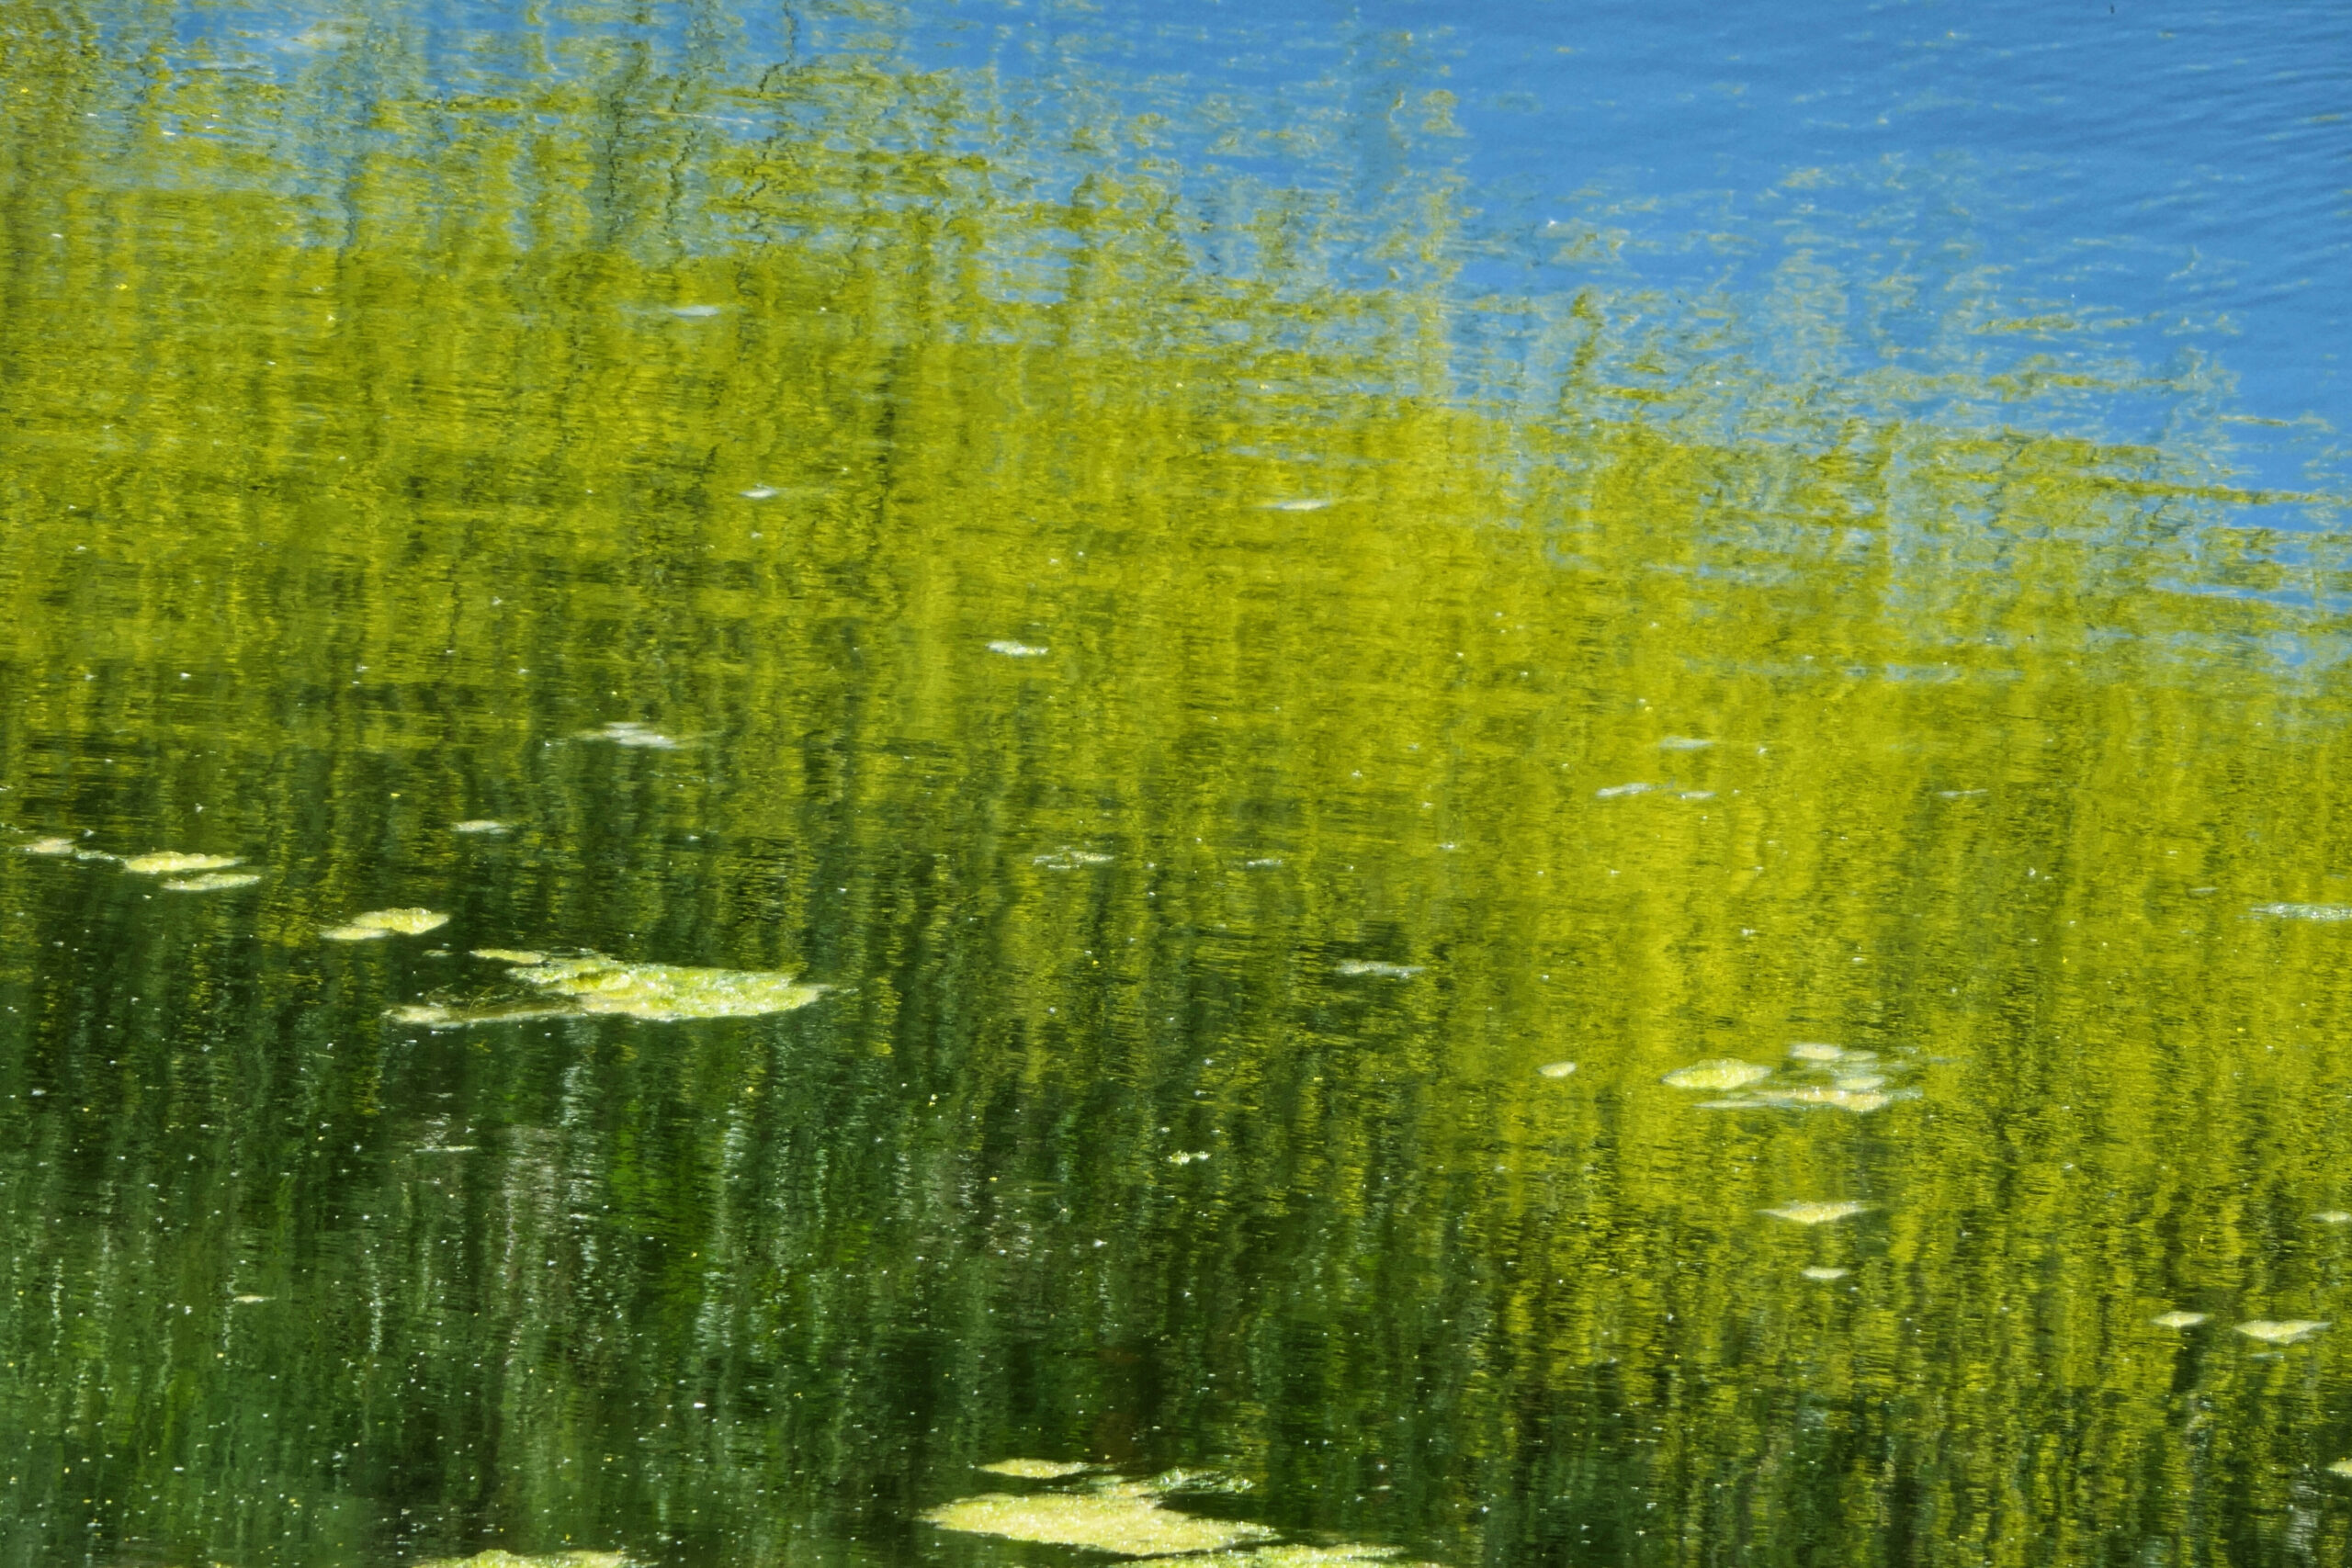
x=753 y=755
x=591 y=985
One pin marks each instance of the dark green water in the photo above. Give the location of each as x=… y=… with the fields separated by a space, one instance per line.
x=1191 y=740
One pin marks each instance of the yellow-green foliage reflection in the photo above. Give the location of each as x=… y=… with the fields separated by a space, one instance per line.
x=1220 y=770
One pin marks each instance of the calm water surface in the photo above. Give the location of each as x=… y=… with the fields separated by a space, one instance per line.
x=1224 y=623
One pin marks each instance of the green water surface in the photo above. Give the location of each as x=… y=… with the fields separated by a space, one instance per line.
x=1214 y=762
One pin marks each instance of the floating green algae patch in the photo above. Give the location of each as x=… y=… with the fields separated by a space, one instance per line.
x=1036 y=1469
x=1344 y=1556
x=376 y=924
x=212 y=882
x=172 y=862
x=1130 y=1520
x=597 y=986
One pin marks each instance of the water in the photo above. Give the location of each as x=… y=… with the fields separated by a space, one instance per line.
x=1000 y=781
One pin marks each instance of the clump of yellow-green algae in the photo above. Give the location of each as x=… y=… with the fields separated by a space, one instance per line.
x=1127 y=1519
x=595 y=985
x=379 y=923
x=1816 y=1214
x=1037 y=1469
x=1720 y=1073
x=2288 y=1331
x=164 y=863
x=212 y=882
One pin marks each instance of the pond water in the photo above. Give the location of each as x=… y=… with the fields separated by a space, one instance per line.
x=987 y=784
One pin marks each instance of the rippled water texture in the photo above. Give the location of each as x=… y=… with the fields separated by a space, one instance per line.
x=976 y=785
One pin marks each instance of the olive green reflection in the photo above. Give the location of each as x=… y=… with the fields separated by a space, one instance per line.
x=1216 y=773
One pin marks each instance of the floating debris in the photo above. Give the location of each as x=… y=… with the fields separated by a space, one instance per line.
x=50 y=846
x=1814 y=1051
x=629 y=732
x=2333 y=1217
x=1018 y=650
x=1816 y=1214
x=1683 y=744
x=212 y=882
x=1557 y=1069
x=1304 y=503
x=1036 y=1469
x=696 y=313
x=379 y=923
x=1128 y=1520
x=760 y=492
x=1856 y=1083
x=248 y=1301
x=596 y=987
x=481 y=825
x=1695 y=795
x=1217 y=1481
x=1344 y=1555
x=2287 y=1331
x=1186 y=1156
x=1959 y=793
x=2341 y=1467
x=495 y=1558
x=1340 y=1556
x=1823 y=1273
x=2305 y=911
x=2180 y=1319
x=1262 y=862
x=510 y=955
x=165 y=862
x=1069 y=860
x=1720 y=1073
x=1818 y=1097
x=1614 y=791
x=1373 y=966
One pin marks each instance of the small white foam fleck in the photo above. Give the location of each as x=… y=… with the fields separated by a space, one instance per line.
x=1012 y=649
x=1614 y=791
